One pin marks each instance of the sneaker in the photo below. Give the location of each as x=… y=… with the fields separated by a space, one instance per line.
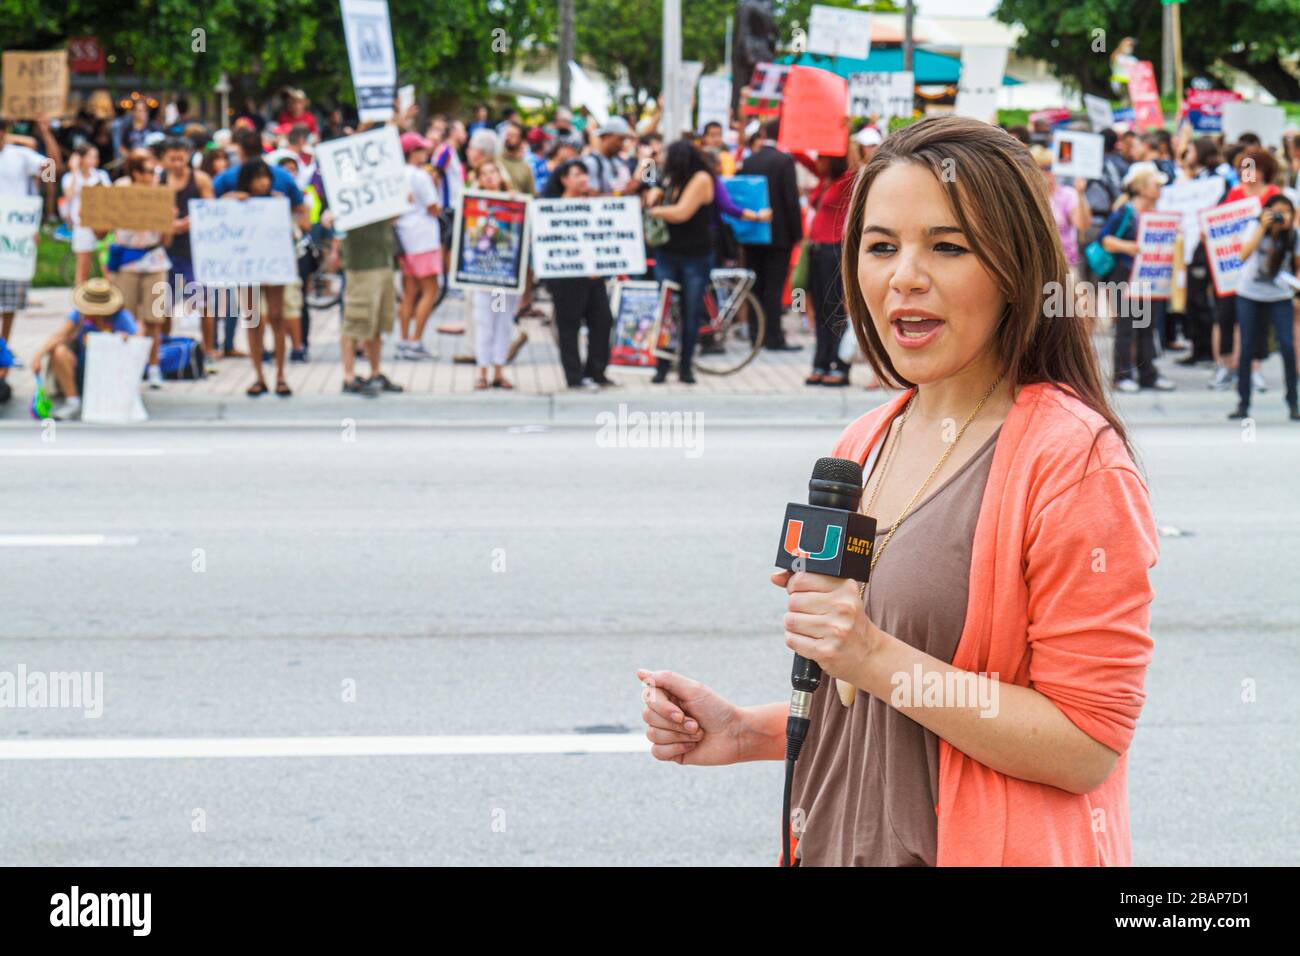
x=518 y=342
x=153 y=375
x=381 y=383
x=418 y=353
x=589 y=384
x=1241 y=411
x=360 y=386
x=1162 y=384
x=298 y=355
x=1257 y=381
x=1222 y=380
x=1293 y=413
x=69 y=411
x=1126 y=385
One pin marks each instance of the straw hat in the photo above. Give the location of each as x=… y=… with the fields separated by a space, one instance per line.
x=97 y=297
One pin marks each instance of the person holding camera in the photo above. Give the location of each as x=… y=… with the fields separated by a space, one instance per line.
x=1268 y=286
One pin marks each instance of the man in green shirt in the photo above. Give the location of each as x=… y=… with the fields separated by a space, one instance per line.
x=369 y=301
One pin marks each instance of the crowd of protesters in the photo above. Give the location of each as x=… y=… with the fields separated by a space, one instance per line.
x=682 y=186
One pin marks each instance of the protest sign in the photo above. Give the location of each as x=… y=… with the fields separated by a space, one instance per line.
x=882 y=95
x=1144 y=96
x=1100 y=115
x=20 y=221
x=766 y=90
x=713 y=102
x=1266 y=122
x=370 y=52
x=489 y=241
x=405 y=99
x=749 y=192
x=35 y=84
x=837 y=31
x=1224 y=227
x=243 y=242
x=600 y=236
x=1077 y=155
x=1204 y=108
x=638 y=308
x=110 y=394
x=1153 y=266
x=666 y=339
x=980 y=82
x=365 y=177
x=147 y=208
x=814 y=113
x=1190 y=197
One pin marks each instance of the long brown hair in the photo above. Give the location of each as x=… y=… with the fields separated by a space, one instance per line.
x=1000 y=200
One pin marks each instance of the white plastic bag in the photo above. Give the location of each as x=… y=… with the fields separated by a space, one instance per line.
x=849 y=346
x=111 y=392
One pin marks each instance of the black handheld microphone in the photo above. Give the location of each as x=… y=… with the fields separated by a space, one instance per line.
x=843 y=539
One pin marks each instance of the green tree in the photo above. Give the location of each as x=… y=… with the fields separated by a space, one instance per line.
x=447 y=48
x=1076 y=37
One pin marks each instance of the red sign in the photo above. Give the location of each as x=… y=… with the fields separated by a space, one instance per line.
x=1144 y=96
x=85 y=55
x=814 y=113
x=1209 y=102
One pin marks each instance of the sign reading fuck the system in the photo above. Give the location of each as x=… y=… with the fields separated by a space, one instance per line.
x=365 y=177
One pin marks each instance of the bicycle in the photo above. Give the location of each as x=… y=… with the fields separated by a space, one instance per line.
x=733 y=332
x=68 y=264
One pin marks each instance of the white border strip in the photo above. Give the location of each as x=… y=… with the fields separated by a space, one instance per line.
x=81 y=452
x=187 y=748
x=66 y=540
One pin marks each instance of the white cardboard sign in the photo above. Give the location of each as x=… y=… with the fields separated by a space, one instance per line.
x=243 y=242
x=370 y=52
x=587 y=237
x=20 y=221
x=365 y=177
x=1077 y=155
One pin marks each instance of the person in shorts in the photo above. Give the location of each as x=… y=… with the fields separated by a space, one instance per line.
x=138 y=266
x=369 y=301
x=97 y=307
x=418 y=233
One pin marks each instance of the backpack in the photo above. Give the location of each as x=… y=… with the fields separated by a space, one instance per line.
x=180 y=357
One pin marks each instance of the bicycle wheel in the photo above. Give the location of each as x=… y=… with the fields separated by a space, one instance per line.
x=323 y=290
x=726 y=344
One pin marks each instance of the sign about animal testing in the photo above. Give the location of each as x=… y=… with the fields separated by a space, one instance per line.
x=365 y=177
x=243 y=242
x=587 y=237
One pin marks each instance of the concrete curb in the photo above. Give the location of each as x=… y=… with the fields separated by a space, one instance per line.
x=824 y=407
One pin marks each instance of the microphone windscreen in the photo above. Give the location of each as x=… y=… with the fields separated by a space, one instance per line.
x=844 y=470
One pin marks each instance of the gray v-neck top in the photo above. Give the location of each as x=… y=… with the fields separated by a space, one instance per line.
x=867 y=781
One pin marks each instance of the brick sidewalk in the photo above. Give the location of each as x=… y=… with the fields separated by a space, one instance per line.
x=535 y=371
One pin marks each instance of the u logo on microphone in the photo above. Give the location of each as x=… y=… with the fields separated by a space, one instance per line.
x=793 y=541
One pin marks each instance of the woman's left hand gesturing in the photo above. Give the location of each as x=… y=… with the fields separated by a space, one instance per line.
x=826 y=622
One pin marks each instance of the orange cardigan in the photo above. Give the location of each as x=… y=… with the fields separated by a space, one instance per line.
x=1059 y=601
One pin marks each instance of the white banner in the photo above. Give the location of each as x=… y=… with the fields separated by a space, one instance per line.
x=370 y=52
x=1266 y=122
x=714 y=101
x=1190 y=197
x=1077 y=155
x=835 y=31
x=883 y=95
x=365 y=177
x=588 y=237
x=1100 y=113
x=20 y=221
x=111 y=391
x=981 y=80
x=243 y=242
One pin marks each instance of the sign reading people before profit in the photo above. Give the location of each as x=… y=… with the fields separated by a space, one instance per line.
x=588 y=237
x=365 y=177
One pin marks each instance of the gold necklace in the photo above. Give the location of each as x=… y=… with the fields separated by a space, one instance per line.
x=862 y=588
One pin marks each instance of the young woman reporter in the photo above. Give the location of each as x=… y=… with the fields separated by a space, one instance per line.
x=1011 y=560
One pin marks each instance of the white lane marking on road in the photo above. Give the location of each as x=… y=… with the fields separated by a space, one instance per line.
x=66 y=540
x=186 y=748
x=81 y=452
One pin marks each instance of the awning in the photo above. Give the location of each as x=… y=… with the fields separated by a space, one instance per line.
x=929 y=69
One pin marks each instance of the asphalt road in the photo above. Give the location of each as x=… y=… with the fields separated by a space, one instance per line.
x=287 y=583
